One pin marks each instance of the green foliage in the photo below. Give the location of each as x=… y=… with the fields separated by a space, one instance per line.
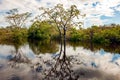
x=16 y=35
x=41 y=30
x=44 y=30
x=112 y=35
x=19 y=34
x=94 y=26
x=75 y=35
x=107 y=35
x=78 y=35
x=97 y=34
x=97 y=38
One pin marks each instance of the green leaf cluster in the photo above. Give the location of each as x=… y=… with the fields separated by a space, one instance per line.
x=41 y=30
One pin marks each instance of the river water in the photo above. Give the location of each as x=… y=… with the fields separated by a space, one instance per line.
x=36 y=60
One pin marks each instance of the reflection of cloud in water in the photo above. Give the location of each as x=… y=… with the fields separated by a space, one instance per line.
x=22 y=73
x=86 y=64
x=27 y=51
x=93 y=74
x=5 y=49
x=104 y=61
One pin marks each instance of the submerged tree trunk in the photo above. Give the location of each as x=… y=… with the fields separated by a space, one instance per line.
x=64 y=41
x=61 y=43
x=60 y=40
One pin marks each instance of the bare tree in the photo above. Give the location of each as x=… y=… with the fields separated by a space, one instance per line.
x=16 y=19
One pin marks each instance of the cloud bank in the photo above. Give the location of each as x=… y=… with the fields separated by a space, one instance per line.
x=94 y=9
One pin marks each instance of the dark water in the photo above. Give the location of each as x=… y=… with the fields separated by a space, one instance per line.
x=33 y=60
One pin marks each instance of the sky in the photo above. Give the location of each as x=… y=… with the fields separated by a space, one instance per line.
x=98 y=12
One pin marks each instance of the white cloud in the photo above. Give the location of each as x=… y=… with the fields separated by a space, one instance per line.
x=104 y=7
x=93 y=21
x=117 y=8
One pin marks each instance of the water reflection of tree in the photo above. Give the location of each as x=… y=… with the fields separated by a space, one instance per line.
x=18 y=57
x=46 y=46
x=113 y=48
x=16 y=45
x=61 y=70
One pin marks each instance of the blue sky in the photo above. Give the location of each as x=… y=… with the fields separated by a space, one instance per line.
x=115 y=19
x=98 y=12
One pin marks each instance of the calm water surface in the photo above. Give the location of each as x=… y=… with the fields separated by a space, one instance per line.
x=30 y=60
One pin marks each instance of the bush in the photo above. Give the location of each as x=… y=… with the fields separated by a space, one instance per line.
x=99 y=38
x=15 y=36
x=41 y=30
x=19 y=34
x=78 y=35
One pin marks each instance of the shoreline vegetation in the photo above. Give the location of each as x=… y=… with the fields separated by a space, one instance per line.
x=58 y=24
x=40 y=31
x=93 y=38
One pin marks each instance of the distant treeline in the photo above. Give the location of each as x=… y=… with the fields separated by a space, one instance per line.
x=98 y=34
x=44 y=30
x=13 y=34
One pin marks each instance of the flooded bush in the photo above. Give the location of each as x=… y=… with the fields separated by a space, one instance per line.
x=19 y=35
x=41 y=30
x=97 y=34
x=13 y=34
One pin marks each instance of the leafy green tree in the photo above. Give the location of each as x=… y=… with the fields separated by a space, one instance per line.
x=41 y=30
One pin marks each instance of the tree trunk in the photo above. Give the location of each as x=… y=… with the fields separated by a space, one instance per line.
x=61 y=43
x=64 y=40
